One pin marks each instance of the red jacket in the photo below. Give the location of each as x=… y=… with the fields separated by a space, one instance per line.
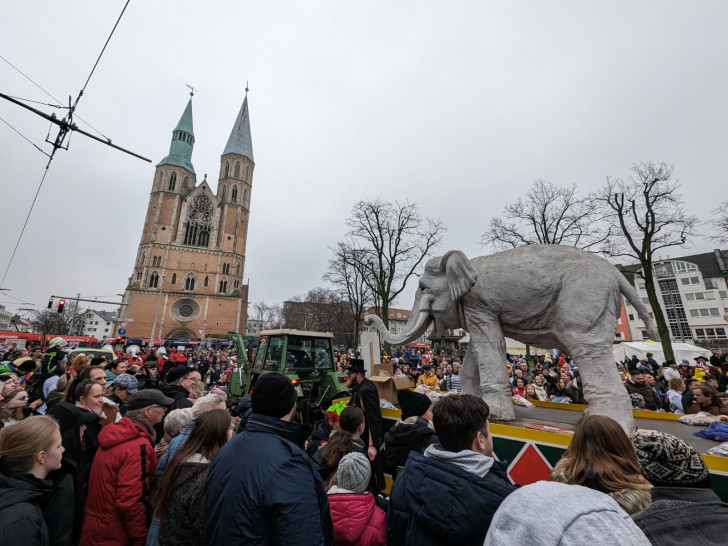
x=358 y=521
x=117 y=505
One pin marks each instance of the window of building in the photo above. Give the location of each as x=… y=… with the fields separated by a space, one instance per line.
x=234 y=195
x=223 y=194
x=207 y=282
x=199 y=221
x=174 y=278
x=690 y=297
x=690 y=280
x=631 y=316
x=237 y=270
x=144 y=257
x=723 y=294
x=645 y=335
x=642 y=286
x=227 y=170
x=223 y=286
x=237 y=169
x=139 y=275
x=720 y=332
x=154 y=280
x=645 y=300
x=172 y=181
x=710 y=284
x=709 y=295
x=714 y=312
x=618 y=335
x=247 y=173
x=694 y=312
x=245 y=197
x=236 y=284
x=190 y=282
x=699 y=296
x=226 y=269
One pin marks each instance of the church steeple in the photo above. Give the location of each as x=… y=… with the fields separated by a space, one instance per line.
x=183 y=140
x=240 y=141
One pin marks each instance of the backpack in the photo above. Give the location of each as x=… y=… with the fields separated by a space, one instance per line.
x=34 y=386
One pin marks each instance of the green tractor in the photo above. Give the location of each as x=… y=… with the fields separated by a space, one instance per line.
x=307 y=358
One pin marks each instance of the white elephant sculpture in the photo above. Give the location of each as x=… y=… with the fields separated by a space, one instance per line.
x=542 y=295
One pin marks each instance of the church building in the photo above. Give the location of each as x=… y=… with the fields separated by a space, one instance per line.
x=188 y=275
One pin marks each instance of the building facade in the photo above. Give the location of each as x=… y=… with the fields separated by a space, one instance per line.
x=5 y=317
x=693 y=296
x=98 y=324
x=187 y=278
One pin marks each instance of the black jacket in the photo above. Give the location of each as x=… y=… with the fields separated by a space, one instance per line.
x=676 y=511
x=403 y=438
x=647 y=393
x=320 y=433
x=185 y=521
x=263 y=489
x=34 y=511
x=434 y=502
x=366 y=396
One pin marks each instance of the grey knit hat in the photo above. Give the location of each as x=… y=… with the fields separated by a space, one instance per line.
x=669 y=461
x=354 y=472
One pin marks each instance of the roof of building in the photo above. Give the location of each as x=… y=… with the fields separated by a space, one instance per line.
x=710 y=264
x=183 y=141
x=240 y=141
x=404 y=314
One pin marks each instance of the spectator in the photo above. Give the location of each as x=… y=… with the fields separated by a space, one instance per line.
x=414 y=432
x=356 y=517
x=148 y=375
x=519 y=387
x=674 y=394
x=180 y=499
x=174 y=423
x=77 y=363
x=121 y=390
x=601 y=456
x=530 y=393
x=365 y=395
x=322 y=428
x=23 y=367
x=32 y=508
x=707 y=400
x=289 y=504
x=650 y=384
x=453 y=378
x=328 y=457
x=179 y=382
x=463 y=463
x=681 y=496
x=116 y=368
x=686 y=369
x=719 y=360
x=539 y=388
x=117 y=511
x=636 y=385
x=687 y=397
x=14 y=407
x=558 y=392
x=428 y=378
x=89 y=397
x=584 y=515
x=98 y=375
x=670 y=370
x=54 y=355
x=72 y=474
x=575 y=389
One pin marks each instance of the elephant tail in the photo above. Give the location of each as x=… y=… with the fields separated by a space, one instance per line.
x=642 y=310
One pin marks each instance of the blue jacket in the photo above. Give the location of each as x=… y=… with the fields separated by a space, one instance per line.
x=263 y=489
x=435 y=502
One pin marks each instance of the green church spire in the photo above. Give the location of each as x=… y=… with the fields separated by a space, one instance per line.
x=183 y=140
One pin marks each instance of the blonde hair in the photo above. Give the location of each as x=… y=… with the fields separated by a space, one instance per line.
x=17 y=413
x=20 y=443
x=198 y=390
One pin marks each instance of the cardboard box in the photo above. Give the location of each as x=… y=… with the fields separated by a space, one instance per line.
x=388 y=386
x=389 y=368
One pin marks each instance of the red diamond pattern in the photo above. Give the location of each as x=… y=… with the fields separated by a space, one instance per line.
x=529 y=467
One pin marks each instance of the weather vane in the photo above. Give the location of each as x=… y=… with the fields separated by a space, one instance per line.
x=192 y=90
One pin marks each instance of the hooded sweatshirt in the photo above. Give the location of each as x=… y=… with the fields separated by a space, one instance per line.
x=21 y=516
x=583 y=516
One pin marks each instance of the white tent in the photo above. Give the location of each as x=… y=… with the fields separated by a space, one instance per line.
x=641 y=348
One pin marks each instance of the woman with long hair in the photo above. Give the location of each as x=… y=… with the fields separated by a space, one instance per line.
x=557 y=393
x=89 y=396
x=519 y=387
x=602 y=457
x=14 y=407
x=339 y=444
x=33 y=509
x=116 y=367
x=529 y=392
x=180 y=498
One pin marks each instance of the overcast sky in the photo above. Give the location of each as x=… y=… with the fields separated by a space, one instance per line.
x=456 y=106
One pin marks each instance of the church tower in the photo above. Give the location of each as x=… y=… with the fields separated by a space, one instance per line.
x=188 y=275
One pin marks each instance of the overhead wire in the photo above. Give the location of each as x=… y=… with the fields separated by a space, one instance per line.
x=26 y=138
x=59 y=139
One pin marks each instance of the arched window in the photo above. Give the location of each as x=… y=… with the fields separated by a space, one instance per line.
x=236 y=284
x=199 y=221
x=207 y=282
x=172 y=181
x=174 y=278
x=237 y=169
x=247 y=173
x=226 y=269
x=234 y=195
x=144 y=257
x=223 y=193
x=237 y=270
x=186 y=181
x=245 y=197
x=223 y=286
x=190 y=283
x=227 y=170
x=153 y=280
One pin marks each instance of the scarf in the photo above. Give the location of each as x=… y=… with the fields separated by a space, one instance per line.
x=99 y=413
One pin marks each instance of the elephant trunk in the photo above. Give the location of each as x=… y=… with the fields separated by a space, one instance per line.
x=417 y=325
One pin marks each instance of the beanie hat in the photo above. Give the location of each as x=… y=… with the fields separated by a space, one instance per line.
x=175 y=374
x=273 y=395
x=667 y=460
x=354 y=472
x=412 y=403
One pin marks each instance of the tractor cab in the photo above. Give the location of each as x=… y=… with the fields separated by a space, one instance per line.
x=307 y=358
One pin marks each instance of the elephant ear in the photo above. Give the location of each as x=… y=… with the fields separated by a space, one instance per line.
x=459 y=273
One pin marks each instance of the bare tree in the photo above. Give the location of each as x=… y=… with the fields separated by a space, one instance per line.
x=720 y=223
x=50 y=322
x=649 y=211
x=345 y=273
x=390 y=241
x=267 y=316
x=320 y=310
x=549 y=215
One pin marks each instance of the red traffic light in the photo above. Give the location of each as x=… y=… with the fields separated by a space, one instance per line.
x=61 y=305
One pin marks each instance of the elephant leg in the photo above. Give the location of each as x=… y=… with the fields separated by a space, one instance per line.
x=486 y=367
x=603 y=389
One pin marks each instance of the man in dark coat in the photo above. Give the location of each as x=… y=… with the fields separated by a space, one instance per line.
x=458 y=478
x=636 y=385
x=681 y=496
x=262 y=487
x=365 y=395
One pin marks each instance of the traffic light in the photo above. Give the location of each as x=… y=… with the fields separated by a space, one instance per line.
x=61 y=305
x=50 y=303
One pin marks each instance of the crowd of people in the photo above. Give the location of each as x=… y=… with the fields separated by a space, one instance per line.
x=134 y=452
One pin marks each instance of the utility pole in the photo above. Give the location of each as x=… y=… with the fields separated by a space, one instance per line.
x=156 y=313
